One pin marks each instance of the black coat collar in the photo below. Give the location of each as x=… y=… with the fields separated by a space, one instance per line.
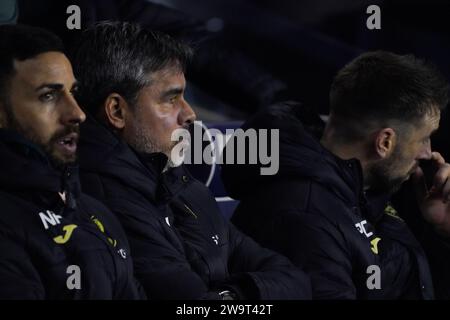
x=25 y=168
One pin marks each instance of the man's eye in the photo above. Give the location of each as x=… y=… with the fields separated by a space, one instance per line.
x=173 y=99
x=48 y=96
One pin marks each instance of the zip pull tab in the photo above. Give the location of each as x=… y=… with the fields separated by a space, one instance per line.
x=190 y=211
x=62 y=195
x=184 y=208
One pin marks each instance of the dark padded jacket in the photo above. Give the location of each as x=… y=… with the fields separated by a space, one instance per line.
x=181 y=245
x=314 y=211
x=51 y=249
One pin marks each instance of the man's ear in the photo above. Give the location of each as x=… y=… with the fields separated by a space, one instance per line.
x=116 y=110
x=385 y=142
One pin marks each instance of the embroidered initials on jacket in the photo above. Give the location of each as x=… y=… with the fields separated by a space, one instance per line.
x=360 y=226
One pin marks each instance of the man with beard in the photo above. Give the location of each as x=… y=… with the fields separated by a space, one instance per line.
x=328 y=206
x=133 y=83
x=55 y=242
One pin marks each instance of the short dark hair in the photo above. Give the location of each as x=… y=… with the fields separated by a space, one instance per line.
x=382 y=87
x=21 y=42
x=118 y=57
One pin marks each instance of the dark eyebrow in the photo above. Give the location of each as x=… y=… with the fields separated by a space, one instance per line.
x=55 y=86
x=172 y=92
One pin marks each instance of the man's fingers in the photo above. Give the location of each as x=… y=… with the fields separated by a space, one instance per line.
x=437 y=157
x=441 y=176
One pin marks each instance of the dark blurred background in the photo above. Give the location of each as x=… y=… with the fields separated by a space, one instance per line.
x=251 y=53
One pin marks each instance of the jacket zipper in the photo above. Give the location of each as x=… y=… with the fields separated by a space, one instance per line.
x=190 y=211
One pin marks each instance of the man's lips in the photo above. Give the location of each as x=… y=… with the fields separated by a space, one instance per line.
x=68 y=143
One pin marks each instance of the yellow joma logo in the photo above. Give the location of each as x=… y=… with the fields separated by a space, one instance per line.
x=374 y=245
x=102 y=229
x=68 y=233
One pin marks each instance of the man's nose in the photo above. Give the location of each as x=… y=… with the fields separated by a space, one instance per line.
x=187 y=114
x=426 y=152
x=72 y=112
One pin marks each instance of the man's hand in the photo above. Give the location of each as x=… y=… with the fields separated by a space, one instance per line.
x=434 y=202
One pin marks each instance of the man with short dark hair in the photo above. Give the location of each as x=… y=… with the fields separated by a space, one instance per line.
x=328 y=207
x=133 y=82
x=55 y=242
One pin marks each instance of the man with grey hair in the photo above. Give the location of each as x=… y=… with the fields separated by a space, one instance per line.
x=133 y=85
